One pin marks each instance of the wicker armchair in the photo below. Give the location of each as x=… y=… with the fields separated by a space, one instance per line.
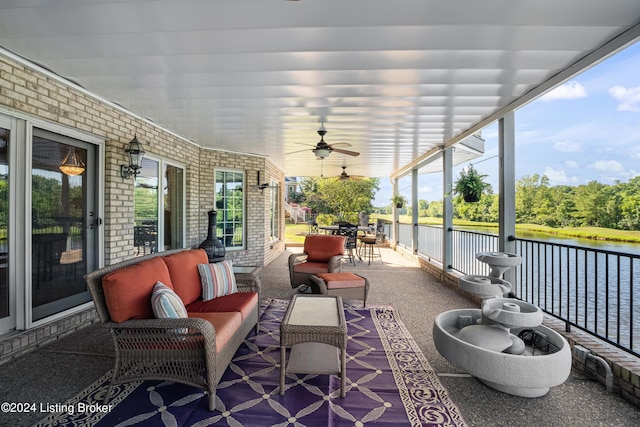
x=322 y=254
x=180 y=350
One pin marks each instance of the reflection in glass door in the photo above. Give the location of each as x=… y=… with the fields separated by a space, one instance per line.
x=63 y=224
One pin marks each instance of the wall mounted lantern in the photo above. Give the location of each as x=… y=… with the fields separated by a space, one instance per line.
x=136 y=153
x=72 y=165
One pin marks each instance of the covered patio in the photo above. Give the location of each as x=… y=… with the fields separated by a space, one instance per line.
x=226 y=99
x=60 y=370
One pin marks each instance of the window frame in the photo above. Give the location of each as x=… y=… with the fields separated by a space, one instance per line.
x=162 y=163
x=220 y=219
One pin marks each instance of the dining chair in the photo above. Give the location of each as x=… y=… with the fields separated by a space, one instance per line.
x=350 y=231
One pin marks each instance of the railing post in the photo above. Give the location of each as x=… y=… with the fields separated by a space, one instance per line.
x=507 y=190
x=396 y=222
x=447 y=209
x=414 y=210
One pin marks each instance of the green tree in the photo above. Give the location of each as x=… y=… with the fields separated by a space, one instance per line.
x=630 y=205
x=345 y=199
x=529 y=193
x=591 y=201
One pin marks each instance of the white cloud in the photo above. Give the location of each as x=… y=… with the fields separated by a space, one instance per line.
x=629 y=98
x=633 y=173
x=635 y=152
x=611 y=166
x=569 y=90
x=567 y=146
x=571 y=164
x=425 y=189
x=558 y=176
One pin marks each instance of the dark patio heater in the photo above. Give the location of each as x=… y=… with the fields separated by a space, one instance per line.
x=212 y=245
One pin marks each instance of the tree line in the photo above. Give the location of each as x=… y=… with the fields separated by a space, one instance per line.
x=594 y=204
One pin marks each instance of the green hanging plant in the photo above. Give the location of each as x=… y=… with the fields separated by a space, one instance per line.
x=399 y=200
x=470 y=184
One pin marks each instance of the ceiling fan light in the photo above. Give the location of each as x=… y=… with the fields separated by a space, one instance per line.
x=322 y=153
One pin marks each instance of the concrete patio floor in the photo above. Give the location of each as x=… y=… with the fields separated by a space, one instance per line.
x=56 y=372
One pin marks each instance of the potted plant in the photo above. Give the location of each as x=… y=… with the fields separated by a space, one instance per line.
x=399 y=200
x=470 y=184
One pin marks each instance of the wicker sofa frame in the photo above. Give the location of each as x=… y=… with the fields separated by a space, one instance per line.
x=180 y=350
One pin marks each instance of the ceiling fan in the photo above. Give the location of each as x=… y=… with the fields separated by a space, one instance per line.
x=322 y=149
x=344 y=176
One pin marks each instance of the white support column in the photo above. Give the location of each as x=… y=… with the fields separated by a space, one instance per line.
x=414 y=210
x=507 y=188
x=447 y=208
x=396 y=228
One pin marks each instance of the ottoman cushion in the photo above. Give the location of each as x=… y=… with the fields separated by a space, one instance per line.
x=342 y=280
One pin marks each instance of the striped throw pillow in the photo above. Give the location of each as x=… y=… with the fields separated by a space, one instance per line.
x=166 y=304
x=217 y=279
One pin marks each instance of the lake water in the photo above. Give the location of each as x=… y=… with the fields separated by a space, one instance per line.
x=624 y=247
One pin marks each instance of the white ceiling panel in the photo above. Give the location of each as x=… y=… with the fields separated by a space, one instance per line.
x=395 y=79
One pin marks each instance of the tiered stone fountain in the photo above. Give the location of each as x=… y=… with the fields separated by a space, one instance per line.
x=504 y=344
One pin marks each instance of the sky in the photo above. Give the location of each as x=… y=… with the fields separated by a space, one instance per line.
x=587 y=129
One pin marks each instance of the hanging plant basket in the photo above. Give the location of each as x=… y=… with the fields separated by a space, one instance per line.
x=471 y=198
x=398 y=200
x=470 y=185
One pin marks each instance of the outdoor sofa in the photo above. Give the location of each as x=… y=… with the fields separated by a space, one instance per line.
x=195 y=350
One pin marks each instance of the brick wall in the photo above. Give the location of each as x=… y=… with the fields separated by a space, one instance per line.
x=28 y=93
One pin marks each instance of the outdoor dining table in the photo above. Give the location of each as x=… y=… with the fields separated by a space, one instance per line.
x=331 y=229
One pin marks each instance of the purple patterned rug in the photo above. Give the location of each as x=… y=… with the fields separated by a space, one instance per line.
x=389 y=382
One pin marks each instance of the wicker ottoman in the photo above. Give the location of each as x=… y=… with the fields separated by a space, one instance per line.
x=346 y=284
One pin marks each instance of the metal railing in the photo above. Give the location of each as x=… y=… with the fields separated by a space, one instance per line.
x=591 y=289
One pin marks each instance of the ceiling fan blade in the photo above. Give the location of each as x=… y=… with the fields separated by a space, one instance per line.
x=299 y=151
x=347 y=152
x=340 y=144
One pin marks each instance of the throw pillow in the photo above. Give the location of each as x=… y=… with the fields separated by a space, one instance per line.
x=166 y=303
x=217 y=279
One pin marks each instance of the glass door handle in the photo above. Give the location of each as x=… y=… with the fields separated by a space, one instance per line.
x=95 y=223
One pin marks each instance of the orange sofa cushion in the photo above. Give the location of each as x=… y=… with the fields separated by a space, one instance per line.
x=127 y=290
x=320 y=247
x=242 y=302
x=225 y=324
x=342 y=280
x=183 y=268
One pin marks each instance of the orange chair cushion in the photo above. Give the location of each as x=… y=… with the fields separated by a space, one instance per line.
x=183 y=268
x=225 y=324
x=342 y=280
x=320 y=247
x=242 y=302
x=127 y=290
x=311 y=267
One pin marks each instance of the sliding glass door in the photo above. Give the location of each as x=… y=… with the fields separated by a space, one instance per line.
x=64 y=223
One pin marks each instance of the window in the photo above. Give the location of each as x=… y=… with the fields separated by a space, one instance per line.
x=274 y=218
x=159 y=211
x=230 y=207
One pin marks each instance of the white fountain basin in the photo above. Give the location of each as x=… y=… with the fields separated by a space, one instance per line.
x=499 y=259
x=484 y=286
x=499 y=262
x=511 y=313
x=519 y=375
